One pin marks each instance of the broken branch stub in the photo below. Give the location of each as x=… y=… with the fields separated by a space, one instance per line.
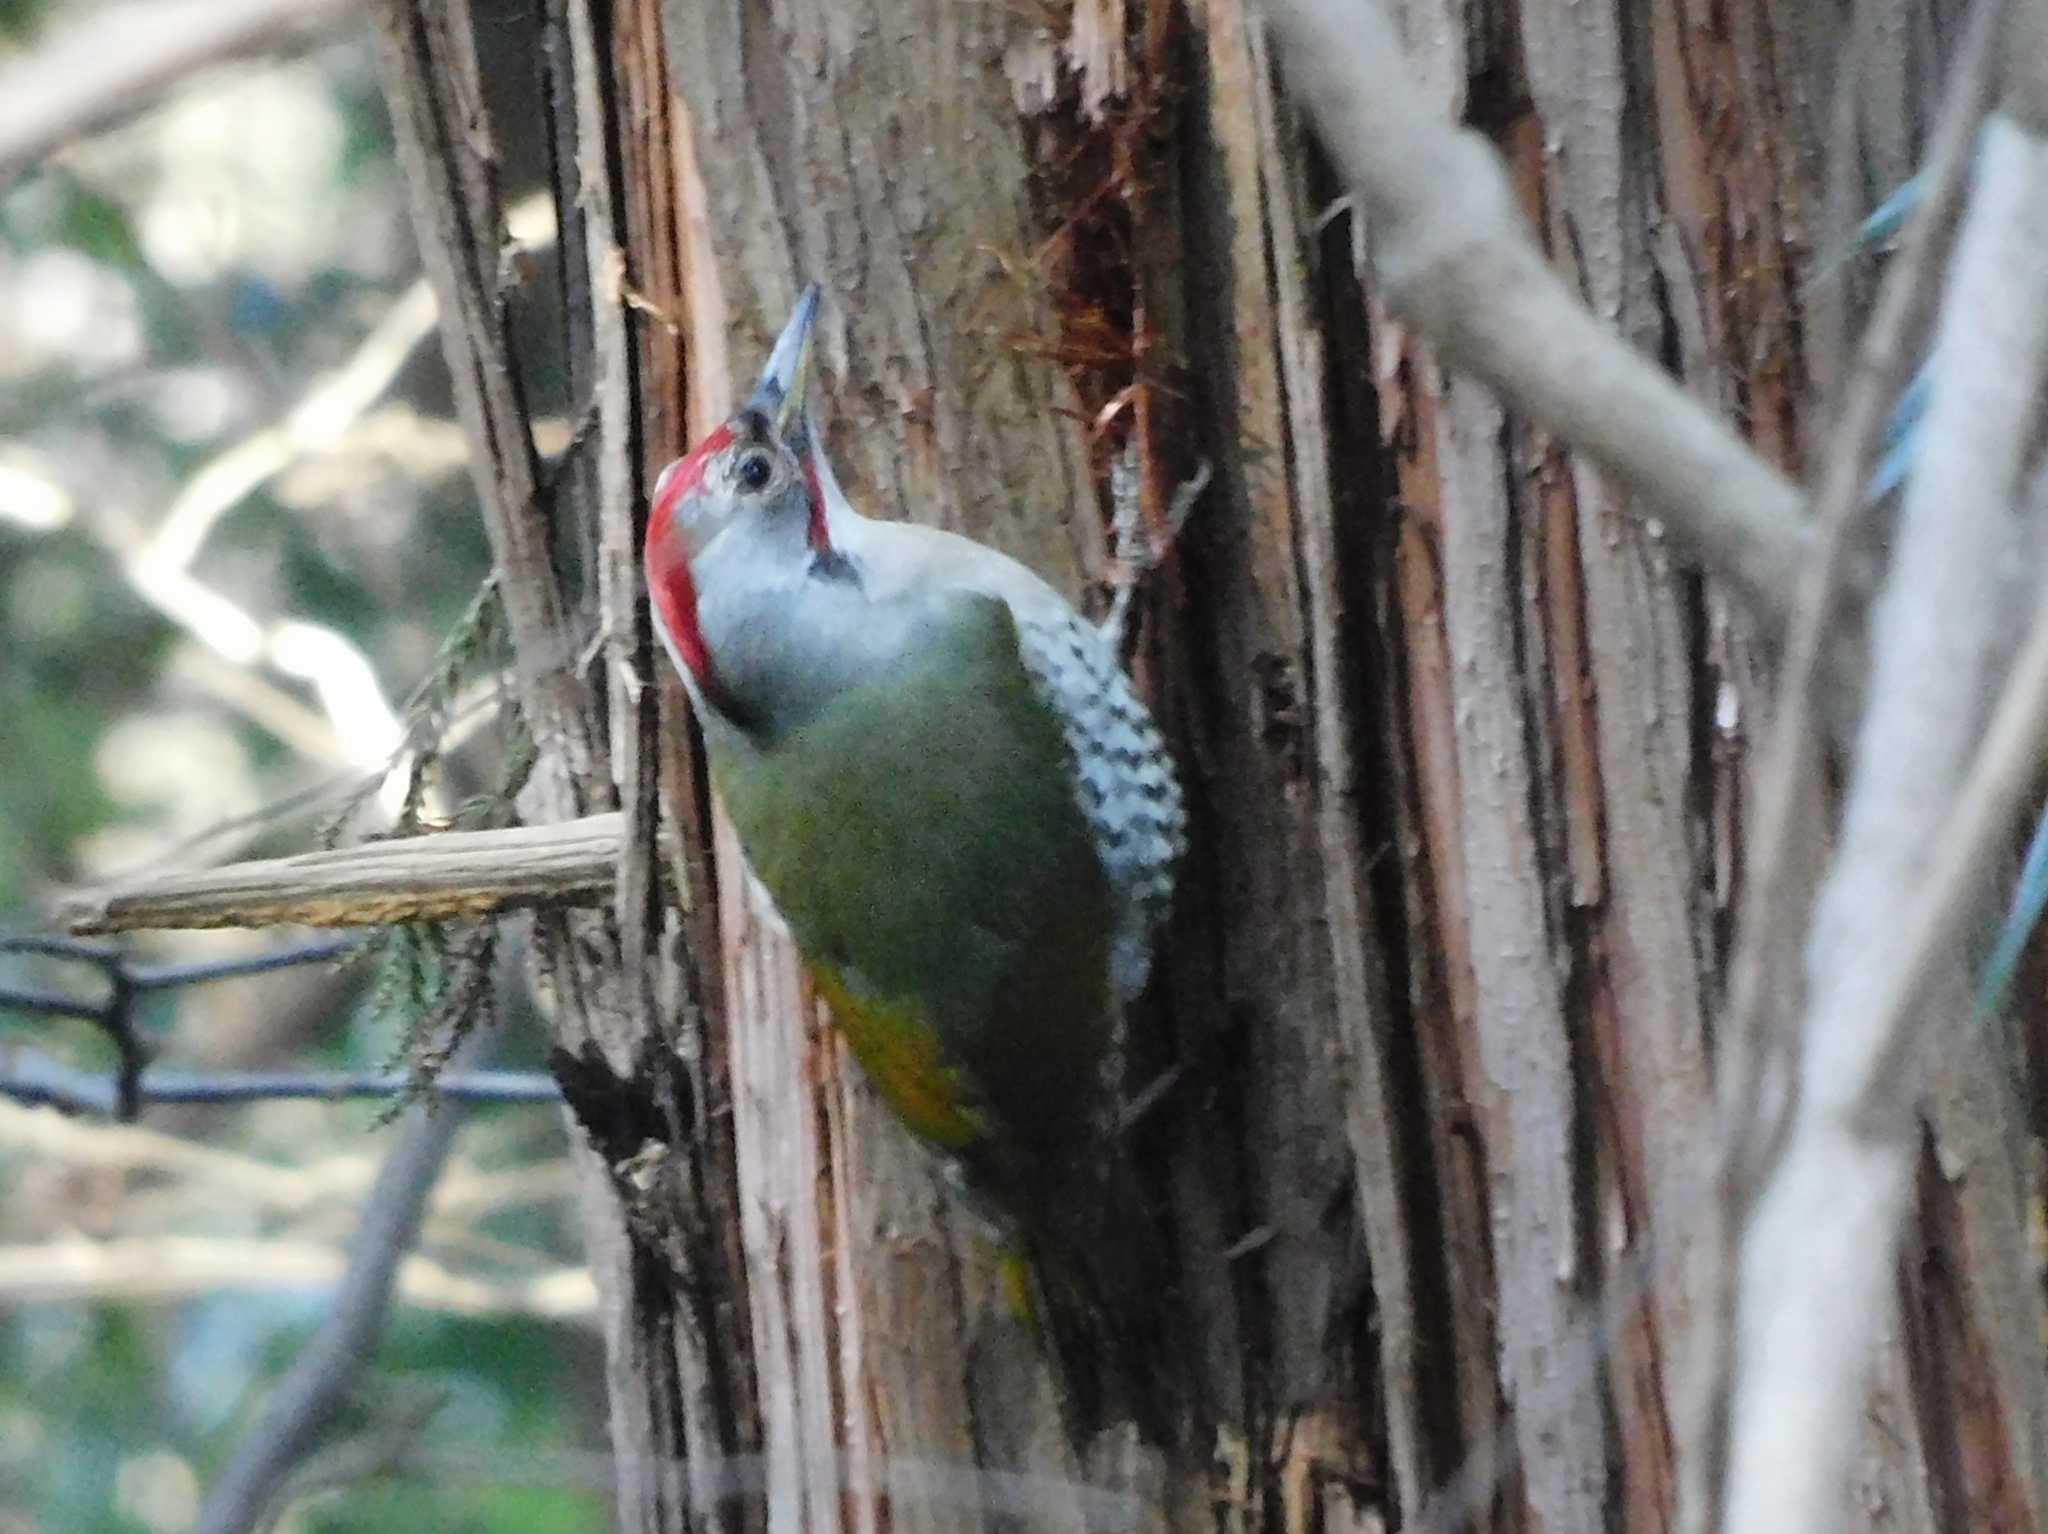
x=444 y=876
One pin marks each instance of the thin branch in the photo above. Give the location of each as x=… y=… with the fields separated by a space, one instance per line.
x=333 y=403
x=447 y=875
x=223 y=837
x=1971 y=847
x=1752 y=1107
x=356 y=725
x=1817 y=1283
x=363 y=730
x=1452 y=256
x=120 y=59
x=469 y=713
x=320 y=421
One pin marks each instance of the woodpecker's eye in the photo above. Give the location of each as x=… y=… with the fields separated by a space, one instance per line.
x=754 y=470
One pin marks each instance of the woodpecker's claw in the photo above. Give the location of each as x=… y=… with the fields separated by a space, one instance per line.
x=1153 y=1093
x=1136 y=552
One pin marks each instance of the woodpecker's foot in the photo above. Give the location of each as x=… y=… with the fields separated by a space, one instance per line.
x=1135 y=553
x=1019 y=1290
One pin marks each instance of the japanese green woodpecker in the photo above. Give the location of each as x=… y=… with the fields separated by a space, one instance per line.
x=940 y=772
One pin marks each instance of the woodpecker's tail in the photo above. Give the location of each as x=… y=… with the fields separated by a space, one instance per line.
x=1101 y=1297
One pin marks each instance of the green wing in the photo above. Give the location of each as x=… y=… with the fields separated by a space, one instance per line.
x=921 y=838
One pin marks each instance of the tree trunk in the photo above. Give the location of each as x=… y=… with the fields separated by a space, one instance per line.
x=1465 y=752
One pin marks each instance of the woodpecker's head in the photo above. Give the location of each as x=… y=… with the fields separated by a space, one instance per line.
x=752 y=465
x=753 y=477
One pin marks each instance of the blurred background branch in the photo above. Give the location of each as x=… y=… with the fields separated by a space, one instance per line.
x=116 y=61
x=156 y=1269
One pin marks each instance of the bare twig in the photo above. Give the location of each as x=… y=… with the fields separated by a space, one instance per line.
x=235 y=644
x=337 y=793
x=363 y=729
x=1816 y=1271
x=446 y=875
x=1452 y=256
x=117 y=61
x=319 y=422
x=326 y=411
x=1753 y=1106
x=2005 y=770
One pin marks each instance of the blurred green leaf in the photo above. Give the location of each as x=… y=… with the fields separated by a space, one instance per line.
x=21 y=19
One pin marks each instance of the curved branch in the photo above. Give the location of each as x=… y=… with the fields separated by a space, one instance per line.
x=1452 y=257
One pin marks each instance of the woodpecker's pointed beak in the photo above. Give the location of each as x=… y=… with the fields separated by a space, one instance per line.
x=780 y=394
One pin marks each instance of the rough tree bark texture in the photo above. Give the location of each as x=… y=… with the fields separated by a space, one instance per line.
x=1464 y=749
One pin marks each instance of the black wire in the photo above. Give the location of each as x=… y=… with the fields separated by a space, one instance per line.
x=39 y=1081
x=124 y=1094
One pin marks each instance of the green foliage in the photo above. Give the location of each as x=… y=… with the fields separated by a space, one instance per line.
x=20 y=19
x=74 y=1377
x=76 y=656
x=433 y=982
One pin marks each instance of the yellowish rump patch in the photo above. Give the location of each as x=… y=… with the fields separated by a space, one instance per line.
x=901 y=1056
